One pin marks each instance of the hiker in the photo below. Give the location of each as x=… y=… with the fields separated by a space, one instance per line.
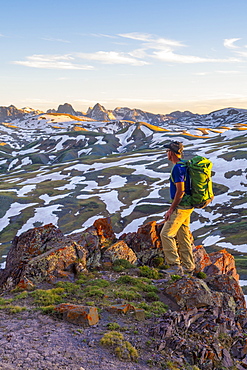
x=175 y=234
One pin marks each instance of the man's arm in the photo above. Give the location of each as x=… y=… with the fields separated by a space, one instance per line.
x=180 y=190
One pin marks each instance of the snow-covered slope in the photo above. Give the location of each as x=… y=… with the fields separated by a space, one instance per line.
x=68 y=171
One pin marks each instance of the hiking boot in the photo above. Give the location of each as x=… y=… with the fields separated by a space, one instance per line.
x=174 y=270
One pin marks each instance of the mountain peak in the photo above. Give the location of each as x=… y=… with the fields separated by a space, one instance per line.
x=66 y=108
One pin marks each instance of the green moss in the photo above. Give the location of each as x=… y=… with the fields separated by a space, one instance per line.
x=112 y=338
x=48 y=297
x=21 y=295
x=48 y=309
x=201 y=275
x=113 y=326
x=126 y=351
x=101 y=283
x=149 y=272
x=128 y=295
x=126 y=279
x=151 y=296
x=16 y=309
x=176 y=277
x=155 y=308
x=68 y=287
x=157 y=262
x=121 y=265
x=93 y=291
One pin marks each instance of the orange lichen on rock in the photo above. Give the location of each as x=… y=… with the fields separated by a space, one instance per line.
x=120 y=308
x=77 y=314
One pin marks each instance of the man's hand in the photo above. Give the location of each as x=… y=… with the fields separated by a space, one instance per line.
x=168 y=214
x=177 y=199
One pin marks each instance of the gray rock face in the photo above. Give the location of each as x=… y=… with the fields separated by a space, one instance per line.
x=66 y=108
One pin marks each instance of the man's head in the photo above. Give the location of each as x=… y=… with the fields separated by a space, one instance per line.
x=175 y=147
x=174 y=151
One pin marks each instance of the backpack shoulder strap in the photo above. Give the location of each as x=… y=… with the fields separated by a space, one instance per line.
x=184 y=164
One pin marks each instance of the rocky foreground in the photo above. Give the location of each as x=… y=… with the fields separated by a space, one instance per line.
x=90 y=301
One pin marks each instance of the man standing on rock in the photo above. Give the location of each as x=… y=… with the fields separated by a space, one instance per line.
x=175 y=234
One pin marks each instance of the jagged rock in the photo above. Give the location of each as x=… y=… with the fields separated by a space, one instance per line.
x=145 y=242
x=191 y=292
x=104 y=229
x=120 y=250
x=90 y=240
x=229 y=285
x=27 y=246
x=222 y=263
x=202 y=259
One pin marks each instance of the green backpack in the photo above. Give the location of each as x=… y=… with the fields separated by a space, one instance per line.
x=201 y=183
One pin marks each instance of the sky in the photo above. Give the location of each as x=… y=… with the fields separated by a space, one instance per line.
x=155 y=55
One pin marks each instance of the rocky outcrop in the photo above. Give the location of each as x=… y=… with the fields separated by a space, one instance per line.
x=45 y=254
x=145 y=242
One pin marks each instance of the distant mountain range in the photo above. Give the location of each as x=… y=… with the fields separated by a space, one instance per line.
x=70 y=168
x=98 y=113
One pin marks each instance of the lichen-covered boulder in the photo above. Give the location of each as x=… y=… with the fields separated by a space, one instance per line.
x=223 y=263
x=190 y=292
x=227 y=284
x=119 y=250
x=145 y=242
x=202 y=259
x=43 y=254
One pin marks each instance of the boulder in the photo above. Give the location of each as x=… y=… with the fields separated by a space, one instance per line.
x=202 y=259
x=43 y=254
x=227 y=284
x=104 y=230
x=77 y=314
x=145 y=242
x=223 y=263
x=190 y=292
x=119 y=250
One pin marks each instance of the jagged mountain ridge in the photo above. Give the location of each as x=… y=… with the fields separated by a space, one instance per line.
x=99 y=113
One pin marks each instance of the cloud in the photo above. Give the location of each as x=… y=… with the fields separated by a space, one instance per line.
x=170 y=56
x=229 y=43
x=152 y=41
x=113 y=57
x=103 y=35
x=55 y=40
x=165 y=49
x=51 y=62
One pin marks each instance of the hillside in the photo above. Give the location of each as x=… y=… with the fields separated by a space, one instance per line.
x=71 y=170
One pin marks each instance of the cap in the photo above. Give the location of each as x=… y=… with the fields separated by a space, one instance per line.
x=175 y=146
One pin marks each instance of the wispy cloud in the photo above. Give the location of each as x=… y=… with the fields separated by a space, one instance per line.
x=55 y=40
x=51 y=62
x=238 y=50
x=103 y=35
x=113 y=57
x=229 y=43
x=165 y=50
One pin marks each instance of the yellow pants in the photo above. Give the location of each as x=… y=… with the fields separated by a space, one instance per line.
x=176 y=239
